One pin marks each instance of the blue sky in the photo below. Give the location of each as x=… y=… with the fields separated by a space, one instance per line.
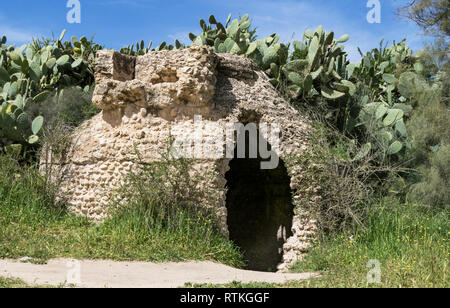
x=116 y=23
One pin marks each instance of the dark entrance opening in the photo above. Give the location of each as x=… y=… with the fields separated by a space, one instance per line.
x=260 y=211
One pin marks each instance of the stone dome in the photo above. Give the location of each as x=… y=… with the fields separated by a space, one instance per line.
x=193 y=95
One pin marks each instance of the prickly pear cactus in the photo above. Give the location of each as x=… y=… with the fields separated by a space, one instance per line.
x=237 y=37
x=389 y=76
x=319 y=66
x=31 y=73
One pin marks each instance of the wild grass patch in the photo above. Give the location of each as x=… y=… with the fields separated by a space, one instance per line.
x=410 y=242
x=31 y=225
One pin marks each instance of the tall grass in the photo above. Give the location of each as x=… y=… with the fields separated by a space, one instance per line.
x=409 y=240
x=31 y=225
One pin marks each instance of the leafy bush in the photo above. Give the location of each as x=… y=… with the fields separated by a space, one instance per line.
x=386 y=79
x=71 y=106
x=428 y=126
x=31 y=73
x=342 y=204
x=318 y=67
x=433 y=188
x=430 y=145
x=237 y=37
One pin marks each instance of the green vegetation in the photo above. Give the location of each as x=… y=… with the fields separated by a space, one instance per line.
x=431 y=15
x=31 y=225
x=12 y=283
x=410 y=241
x=343 y=204
x=429 y=152
x=381 y=128
x=318 y=66
x=31 y=73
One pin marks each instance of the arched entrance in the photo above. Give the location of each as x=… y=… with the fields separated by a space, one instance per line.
x=260 y=211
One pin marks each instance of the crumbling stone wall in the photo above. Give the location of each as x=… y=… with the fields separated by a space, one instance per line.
x=147 y=100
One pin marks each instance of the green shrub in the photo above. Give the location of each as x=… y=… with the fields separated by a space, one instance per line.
x=70 y=106
x=166 y=195
x=429 y=149
x=433 y=187
x=429 y=125
x=31 y=73
x=345 y=179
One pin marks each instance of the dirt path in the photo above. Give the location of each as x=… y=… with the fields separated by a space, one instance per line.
x=110 y=274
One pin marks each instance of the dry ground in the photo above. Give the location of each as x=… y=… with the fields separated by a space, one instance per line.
x=111 y=274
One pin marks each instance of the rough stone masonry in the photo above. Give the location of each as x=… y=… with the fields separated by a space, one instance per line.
x=146 y=100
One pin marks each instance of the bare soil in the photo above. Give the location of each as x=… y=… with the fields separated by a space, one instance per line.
x=112 y=274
